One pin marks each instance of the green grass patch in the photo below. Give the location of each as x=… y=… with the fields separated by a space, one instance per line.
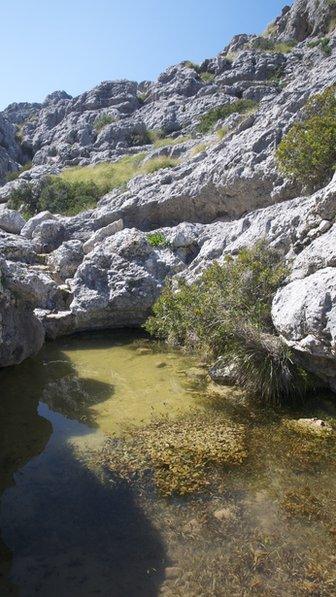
x=158 y=164
x=106 y=176
x=77 y=189
x=265 y=44
x=223 y=132
x=240 y=106
x=199 y=148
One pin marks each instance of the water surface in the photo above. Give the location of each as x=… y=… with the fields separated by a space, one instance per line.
x=68 y=527
x=63 y=530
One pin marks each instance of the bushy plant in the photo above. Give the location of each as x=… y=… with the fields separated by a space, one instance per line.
x=323 y=43
x=157 y=239
x=228 y=312
x=68 y=198
x=207 y=77
x=240 y=106
x=307 y=152
x=24 y=198
x=192 y=65
x=102 y=121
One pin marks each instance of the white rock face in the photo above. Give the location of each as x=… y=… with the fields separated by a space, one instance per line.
x=102 y=233
x=11 y=221
x=29 y=228
x=21 y=332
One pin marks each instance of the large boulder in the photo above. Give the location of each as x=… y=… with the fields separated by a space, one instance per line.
x=11 y=221
x=118 y=282
x=21 y=333
x=65 y=260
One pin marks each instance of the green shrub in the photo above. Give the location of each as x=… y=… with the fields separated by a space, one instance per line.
x=56 y=196
x=240 y=106
x=142 y=98
x=207 y=77
x=25 y=197
x=157 y=239
x=192 y=65
x=227 y=312
x=102 y=121
x=138 y=138
x=158 y=163
x=323 y=43
x=307 y=152
x=67 y=198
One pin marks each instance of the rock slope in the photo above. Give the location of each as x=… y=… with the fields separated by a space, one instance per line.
x=98 y=269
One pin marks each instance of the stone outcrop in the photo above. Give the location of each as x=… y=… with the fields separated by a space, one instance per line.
x=21 y=332
x=99 y=269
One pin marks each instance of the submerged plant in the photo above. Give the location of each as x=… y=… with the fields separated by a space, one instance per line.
x=180 y=456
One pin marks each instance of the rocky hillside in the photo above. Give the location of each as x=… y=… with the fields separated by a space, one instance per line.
x=207 y=181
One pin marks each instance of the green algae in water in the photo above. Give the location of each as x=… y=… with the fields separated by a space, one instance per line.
x=138 y=381
x=265 y=527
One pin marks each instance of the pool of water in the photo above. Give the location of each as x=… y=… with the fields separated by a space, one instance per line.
x=64 y=531
x=70 y=528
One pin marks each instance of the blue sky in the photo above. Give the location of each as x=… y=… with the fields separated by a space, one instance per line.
x=75 y=44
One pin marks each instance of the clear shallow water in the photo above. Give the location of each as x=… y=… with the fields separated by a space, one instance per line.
x=63 y=531
x=67 y=529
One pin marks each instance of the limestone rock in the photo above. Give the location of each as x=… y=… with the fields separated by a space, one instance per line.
x=102 y=233
x=11 y=221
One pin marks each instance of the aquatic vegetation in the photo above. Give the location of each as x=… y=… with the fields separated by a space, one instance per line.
x=181 y=456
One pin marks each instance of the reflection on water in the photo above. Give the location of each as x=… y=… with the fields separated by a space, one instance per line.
x=64 y=531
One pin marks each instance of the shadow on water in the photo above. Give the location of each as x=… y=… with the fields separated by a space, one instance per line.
x=65 y=530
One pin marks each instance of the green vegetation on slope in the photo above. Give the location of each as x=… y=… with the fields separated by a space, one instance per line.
x=227 y=312
x=76 y=189
x=79 y=188
x=102 y=121
x=307 y=152
x=240 y=106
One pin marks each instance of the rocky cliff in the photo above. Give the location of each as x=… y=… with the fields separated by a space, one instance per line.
x=98 y=269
